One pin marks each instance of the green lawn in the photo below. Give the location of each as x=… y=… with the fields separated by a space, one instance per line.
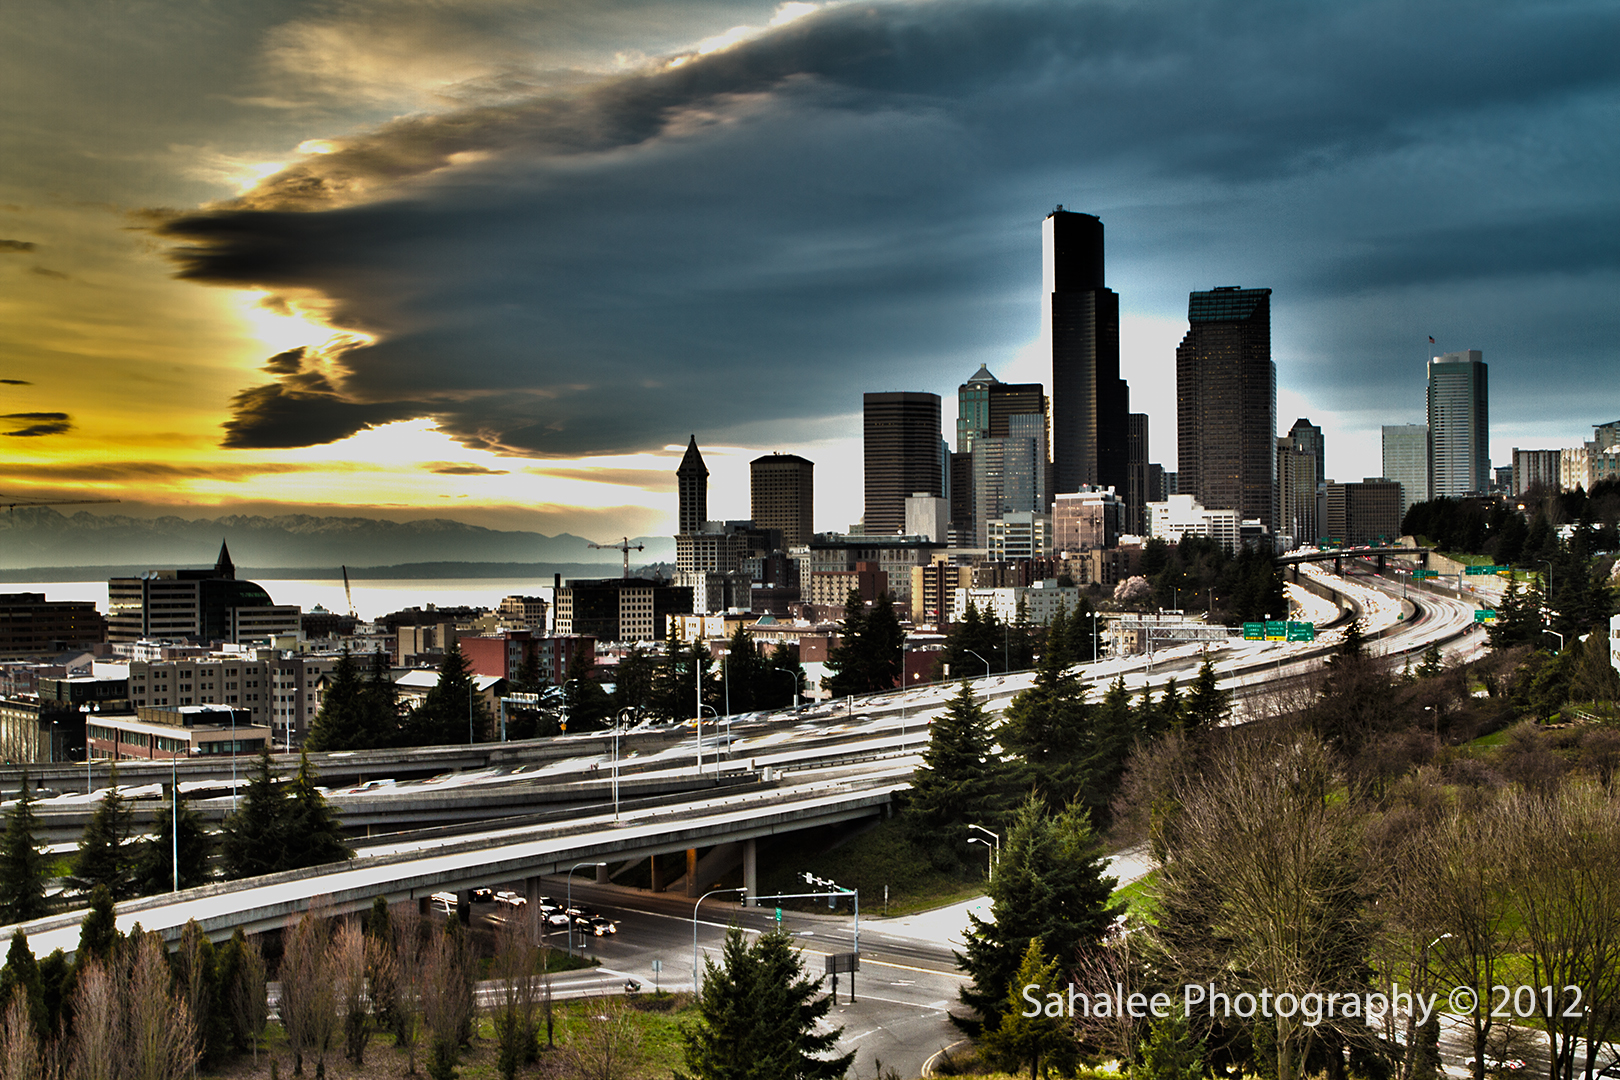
x=879 y=858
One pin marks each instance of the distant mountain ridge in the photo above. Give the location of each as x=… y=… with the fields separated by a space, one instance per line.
x=39 y=536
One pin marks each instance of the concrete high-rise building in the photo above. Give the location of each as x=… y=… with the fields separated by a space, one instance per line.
x=203 y=606
x=1009 y=472
x=1080 y=320
x=1364 y=513
x=783 y=496
x=902 y=449
x=1459 y=426
x=1137 y=492
x=1297 y=480
x=1307 y=438
x=692 y=482
x=1226 y=404
x=1406 y=461
x=989 y=409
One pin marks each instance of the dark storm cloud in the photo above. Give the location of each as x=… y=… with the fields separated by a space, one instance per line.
x=33 y=425
x=450 y=468
x=852 y=202
x=15 y=382
x=117 y=471
x=16 y=247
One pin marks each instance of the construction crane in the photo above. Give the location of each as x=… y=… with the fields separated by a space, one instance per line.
x=12 y=504
x=625 y=546
x=347 y=595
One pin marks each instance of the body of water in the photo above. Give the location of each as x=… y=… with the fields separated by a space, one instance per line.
x=372 y=598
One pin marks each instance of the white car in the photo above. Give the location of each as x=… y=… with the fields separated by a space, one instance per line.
x=511 y=899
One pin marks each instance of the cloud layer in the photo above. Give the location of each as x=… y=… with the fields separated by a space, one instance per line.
x=852 y=201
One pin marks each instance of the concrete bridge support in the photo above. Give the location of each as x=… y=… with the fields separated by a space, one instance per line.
x=532 y=893
x=750 y=868
x=691 y=872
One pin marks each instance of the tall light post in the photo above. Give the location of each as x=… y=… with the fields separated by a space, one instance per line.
x=995 y=849
x=569 y=908
x=990 y=856
x=712 y=892
x=982 y=660
x=1094 y=614
x=798 y=676
x=618 y=724
x=697 y=685
x=174 y=814
x=469 y=710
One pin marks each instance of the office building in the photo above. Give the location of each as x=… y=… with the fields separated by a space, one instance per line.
x=619 y=609
x=782 y=491
x=1181 y=515
x=1592 y=462
x=1137 y=474
x=1459 y=426
x=902 y=450
x=1535 y=468
x=1226 y=404
x=1297 y=481
x=1080 y=319
x=30 y=625
x=1009 y=472
x=1364 y=513
x=1406 y=461
x=1017 y=536
x=1307 y=437
x=928 y=516
x=202 y=606
x=1087 y=520
x=895 y=555
x=988 y=409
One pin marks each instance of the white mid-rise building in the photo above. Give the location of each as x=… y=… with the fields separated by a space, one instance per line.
x=1183 y=515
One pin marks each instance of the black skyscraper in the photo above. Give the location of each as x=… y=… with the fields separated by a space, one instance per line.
x=903 y=456
x=1089 y=400
x=1226 y=404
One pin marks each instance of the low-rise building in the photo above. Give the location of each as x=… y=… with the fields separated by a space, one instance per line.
x=1184 y=515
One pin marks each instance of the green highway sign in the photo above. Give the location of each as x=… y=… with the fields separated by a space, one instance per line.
x=1276 y=631
x=1425 y=573
x=1254 y=631
x=1481 y=570
x=1484 y=615
x=1301 y=631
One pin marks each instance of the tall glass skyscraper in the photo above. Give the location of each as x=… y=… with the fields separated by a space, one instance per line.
x=1459 y=426
x=1406 y=461
x=1080 y=317
x=1226 y=404
x=903 y=456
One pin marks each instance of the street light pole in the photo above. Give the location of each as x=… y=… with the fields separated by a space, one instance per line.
x=174 y=813
x=796 y=676
x=712 y=892
x=569 y=907
x=982 y=660
x=995 y=852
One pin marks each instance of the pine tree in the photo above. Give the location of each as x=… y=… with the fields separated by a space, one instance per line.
x=317 y=833
x=340 y=725
x=452 y=712
x=154 y=856
x=871 y=649
x=961 y=780
x=783 y=679
x=106 y=856
x=1050 y=885
x=588 y=706
x=379 y=701
x=99 y=936
x=1207 y=704
x=758 y=1015
x=255 y=838
x=1115 y=729
x=20 y=976
x=1049 y=726
x=22 y=864
x=1024 y=1039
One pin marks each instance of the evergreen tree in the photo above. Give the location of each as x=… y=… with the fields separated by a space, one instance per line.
x=452 y=712
x=255 y=838
x=743 y=673
x=99 y=937
x=1433 y=662
x=633 y=684
x=379 y=700
x=105 y=855
x=1207 y=704
x=20 y=976
x=1170 y=1052
x=22 y=864
x=1115 y=730
x=154 y=856
x=784 y=678
x=1049 y=885
x=341 y=723
x=676 y=683
x=1049 y=727
x=1518 y=618
x=57 y=984
x=870 y=653
x=310 y=820
x=758 y=1015
x=1034 y=1040
x=960 y=782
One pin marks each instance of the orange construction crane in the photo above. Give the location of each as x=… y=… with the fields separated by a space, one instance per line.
x=625 y=546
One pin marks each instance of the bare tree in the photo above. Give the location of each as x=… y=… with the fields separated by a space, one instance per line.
x=516 y=970
x=161 y=1034
x=308 y=996
x=347 y=964
x=1102 y=972
x=194 y=975
x=97 y=1050
x=1564 y=887
x=249 y=995
x=607 y=1045
x=21 y=1056
x=446 y=1005
x=408 y=958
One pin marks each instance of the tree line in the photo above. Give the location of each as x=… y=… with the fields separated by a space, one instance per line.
x=279 y=825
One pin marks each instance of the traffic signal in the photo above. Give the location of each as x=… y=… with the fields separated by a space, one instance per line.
x=742 y=898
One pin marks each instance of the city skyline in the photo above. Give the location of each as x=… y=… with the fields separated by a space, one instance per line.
x=498 y=264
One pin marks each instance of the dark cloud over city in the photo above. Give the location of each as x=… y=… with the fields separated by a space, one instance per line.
x=852 y=202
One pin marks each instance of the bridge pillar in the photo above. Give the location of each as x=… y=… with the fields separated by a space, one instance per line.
x=464 y=906
x=1380 y=566
x=751 y=872
x=602 y=877
x=1338 y=565
x=691 y=872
